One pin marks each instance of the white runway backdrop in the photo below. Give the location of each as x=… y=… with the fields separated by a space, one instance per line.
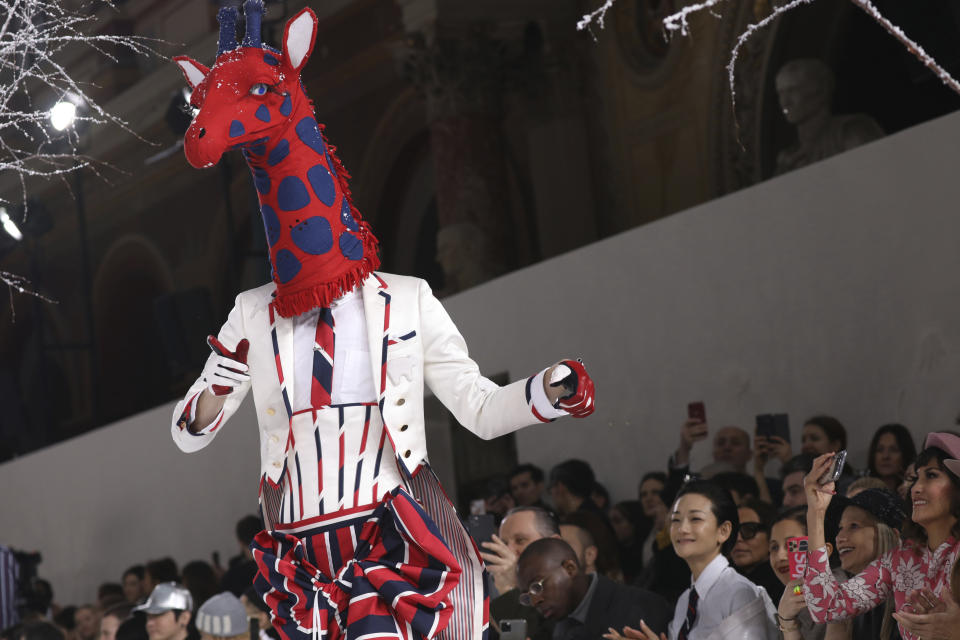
x=832 y=289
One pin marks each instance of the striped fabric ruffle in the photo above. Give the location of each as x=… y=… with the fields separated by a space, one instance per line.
x=381 y=571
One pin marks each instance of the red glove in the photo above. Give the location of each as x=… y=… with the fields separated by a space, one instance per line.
x=223 y=370
x=579 y=402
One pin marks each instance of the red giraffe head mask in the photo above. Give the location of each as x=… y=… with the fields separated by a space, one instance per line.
x=252 y=99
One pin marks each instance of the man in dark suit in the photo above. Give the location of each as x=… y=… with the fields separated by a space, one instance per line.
x=584 y=605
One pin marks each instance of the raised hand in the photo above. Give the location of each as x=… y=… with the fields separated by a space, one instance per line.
x=578 y=385
x=226 y=369
x=819 y=495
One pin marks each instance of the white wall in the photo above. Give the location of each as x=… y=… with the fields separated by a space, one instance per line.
x=832 y=289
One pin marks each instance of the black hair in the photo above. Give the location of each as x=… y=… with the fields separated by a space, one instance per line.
x=247 y=529
x=544 y=521
x=136 y=570
x=201 y=581
x=764 y=510
x=575 y=475
x=536 y=473
x=801 y=462
x=600 y=490
x=632 y=511
x=721 y=504
x=832 y=427
x=608 y=552
x=163 y=570
x=109 y=589
x=796 y=514
x=908 y=450
x=548 y=548
x=40 y=630
x=912 y=530
x=732 y=481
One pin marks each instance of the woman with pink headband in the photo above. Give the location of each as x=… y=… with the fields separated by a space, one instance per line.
x=921 y=561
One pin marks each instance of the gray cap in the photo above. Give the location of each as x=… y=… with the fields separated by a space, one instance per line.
x=167 y=596
x=222 y=615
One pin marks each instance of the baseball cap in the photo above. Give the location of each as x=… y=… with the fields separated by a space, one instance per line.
x=167 y=596
x=223 y=615
x=949 y=443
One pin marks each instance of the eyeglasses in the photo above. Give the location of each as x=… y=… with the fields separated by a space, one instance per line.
x=749 y=530
x=535 y=589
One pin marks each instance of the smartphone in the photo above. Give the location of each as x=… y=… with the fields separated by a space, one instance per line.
x=764 y=425
x=797 y=556
x=780 y=427
x=481 y=528
x=513 y=630
x=215 y=556
x=697 y=411
x=834 y=474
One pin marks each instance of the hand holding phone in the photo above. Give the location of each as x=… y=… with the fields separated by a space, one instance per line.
x=513 y=629
x=797 y=549
x=839 y=459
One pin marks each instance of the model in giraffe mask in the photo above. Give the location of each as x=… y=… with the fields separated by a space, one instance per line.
x=359 y=538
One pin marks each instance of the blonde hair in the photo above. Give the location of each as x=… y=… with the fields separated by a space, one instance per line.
x=887 y=538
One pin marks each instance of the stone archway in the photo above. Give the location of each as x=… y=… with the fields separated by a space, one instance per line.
x=130 y=368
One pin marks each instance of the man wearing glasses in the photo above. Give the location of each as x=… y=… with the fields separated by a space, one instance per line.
x=584 y=605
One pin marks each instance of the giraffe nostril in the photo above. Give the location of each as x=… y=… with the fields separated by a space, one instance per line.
x=202 y=133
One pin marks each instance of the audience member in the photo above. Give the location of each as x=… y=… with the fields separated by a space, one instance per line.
x=792 y=475
x=65 y=619
x=158 y=571
x=909 y=477
x=730 y=445
x=112 y=618
x=740 y=485
x=571 y=483
x=200 y=580
x=584 y=606
x=751 y=553
x=792 y=614
x=823 y=434
x=600 y=497
x=134 y=627
x=583 y=545
x=891 y=451
x=40 y=630
x=703 y=529
x=929 y=616
x=526 y=486
x=87 y=622
x=650 y=493
x=168 y=609
x=258 y=610
x=868 y=525
x=496 y=497
x=630 y=526
x=520 y=527
x=223 y=617
x=242 y=568
x=109 y=594
x=133 y=584
x=602 y=536
x=862 y=484
x=923 y=557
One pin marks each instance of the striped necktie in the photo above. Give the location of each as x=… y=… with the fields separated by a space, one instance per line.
x=691 y=614
x=322 y=384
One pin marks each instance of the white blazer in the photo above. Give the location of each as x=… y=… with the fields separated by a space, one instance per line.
x=419 y=344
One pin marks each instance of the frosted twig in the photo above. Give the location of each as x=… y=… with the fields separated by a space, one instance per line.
x=597 y=15
x=19 y=284
x=911 y=46
x=678 y=21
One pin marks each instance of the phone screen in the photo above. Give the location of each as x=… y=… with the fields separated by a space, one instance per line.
x=481 y=527
x=697 y=411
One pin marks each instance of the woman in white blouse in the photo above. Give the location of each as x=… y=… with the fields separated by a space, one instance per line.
x=721 y=604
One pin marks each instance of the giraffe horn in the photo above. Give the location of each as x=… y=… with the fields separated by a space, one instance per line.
x=253 y=12
x=227 y=17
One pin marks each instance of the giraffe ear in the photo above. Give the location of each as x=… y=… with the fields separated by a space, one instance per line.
x=193 y=71
x=298 y=38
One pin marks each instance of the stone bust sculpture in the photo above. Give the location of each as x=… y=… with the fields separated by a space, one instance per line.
x=805 y=88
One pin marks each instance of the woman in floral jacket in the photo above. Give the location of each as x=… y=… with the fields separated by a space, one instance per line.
x=923 y=559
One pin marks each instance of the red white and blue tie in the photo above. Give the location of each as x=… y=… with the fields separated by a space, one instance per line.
x=322 y=384
x=691 y=615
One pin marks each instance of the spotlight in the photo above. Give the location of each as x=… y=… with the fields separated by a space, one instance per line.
x=63 y=114
x=9 y=225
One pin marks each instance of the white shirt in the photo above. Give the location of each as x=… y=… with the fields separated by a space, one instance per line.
x=722 y=593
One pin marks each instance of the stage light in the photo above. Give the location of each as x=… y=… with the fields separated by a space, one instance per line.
x=9 y=225
x=62 y=115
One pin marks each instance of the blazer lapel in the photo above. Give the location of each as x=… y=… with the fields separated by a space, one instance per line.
x=283 y=331
x=375 y=310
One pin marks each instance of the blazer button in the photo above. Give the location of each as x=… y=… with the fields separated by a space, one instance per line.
x=404 y=427
x=401 y=402
x=274 y=439
x=270 y=411
x=276 y=464
x=406 y=454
